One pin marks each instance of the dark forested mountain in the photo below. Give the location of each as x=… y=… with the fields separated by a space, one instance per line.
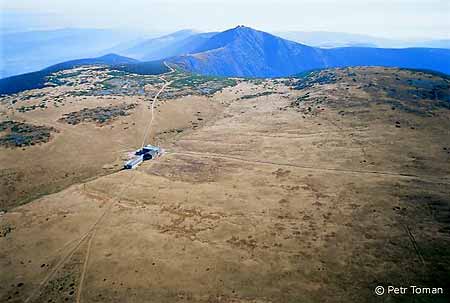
x=38 y=79
x=243 y=51
x=109 y=59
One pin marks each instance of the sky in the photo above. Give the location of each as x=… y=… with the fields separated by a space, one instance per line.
x=406 y=19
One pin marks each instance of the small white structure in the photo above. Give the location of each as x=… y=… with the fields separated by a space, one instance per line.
x=148 y=152
x=133 y=163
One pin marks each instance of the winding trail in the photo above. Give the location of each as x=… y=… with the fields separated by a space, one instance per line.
x=89 y=235
x=155 y=100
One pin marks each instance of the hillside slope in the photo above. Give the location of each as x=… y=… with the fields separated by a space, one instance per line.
x=243 y=51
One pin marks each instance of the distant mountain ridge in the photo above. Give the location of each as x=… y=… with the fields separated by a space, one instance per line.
x=176 y=44
x=33 y=50
x=326 y=39
x=245 y=52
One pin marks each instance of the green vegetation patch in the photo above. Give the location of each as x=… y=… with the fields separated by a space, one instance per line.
x=122 y=83
x=98 y=115
x=258 y=95
x=415 y=92
x=203 y=85
x=24 y=109
x=19 y=134
x=143 y=68
x=309 y=79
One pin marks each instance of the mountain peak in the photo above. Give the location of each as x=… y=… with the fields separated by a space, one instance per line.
x=110 y=56
x=243 y=29
x=234 y=35
x=244 y=51
x=114 y=59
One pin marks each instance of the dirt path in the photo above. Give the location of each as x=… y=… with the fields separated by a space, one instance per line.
x=68 y=255
x=93 y=230
x=289 y=136
x=155 y=100
x=428 y=179
x=91 y=235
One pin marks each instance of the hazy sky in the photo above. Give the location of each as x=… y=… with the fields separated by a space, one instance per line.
x=388 y=18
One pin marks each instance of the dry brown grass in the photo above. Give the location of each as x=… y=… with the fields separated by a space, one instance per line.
x=257 y=202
